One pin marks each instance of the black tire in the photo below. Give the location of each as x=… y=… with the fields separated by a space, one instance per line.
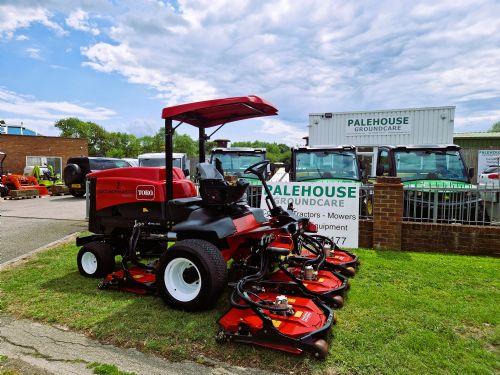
x=203 y=278
x=72 y=174
x=76 y=193
x=99 y=252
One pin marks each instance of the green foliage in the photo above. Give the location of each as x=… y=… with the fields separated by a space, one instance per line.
x=495 y=127
x=121 y=145
x=105 y=369
x=95 y=134
x=184 y=143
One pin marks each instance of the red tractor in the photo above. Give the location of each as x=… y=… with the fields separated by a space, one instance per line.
x=280 y=300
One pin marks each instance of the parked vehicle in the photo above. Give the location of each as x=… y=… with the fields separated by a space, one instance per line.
x=433 y=175
x=134 y=208
x=324 y=163
x=133 y=162
x=329 y=164
x=157 y=159
x=489 y=183
x=78 y=167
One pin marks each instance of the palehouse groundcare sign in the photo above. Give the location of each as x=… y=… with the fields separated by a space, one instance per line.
x=384 y=125
x=485 y=158
x=333 y=207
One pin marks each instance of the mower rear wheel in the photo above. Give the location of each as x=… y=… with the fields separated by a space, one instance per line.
x=95 y=259
x=191 y=275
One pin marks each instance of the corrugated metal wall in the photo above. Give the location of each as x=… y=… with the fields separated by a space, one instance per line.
x=428 y=126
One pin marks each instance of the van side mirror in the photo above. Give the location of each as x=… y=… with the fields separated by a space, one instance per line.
x=380 y=170
x=272 y=167
x=287 y=167
x=471 y=172
x=186 y=172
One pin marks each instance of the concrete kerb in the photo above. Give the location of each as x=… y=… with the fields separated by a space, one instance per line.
x=61 y=241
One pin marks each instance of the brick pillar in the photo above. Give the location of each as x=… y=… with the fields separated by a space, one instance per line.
x=387 y=213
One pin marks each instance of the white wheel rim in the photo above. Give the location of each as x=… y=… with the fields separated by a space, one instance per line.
x=89 y=263
x=174 y=278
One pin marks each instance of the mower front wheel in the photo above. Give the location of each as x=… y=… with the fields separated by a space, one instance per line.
x=95 y=259
x=191 y=275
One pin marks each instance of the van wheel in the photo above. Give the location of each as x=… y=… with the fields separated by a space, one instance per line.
x=76 y=193
x=95 y=259
x=191 y=275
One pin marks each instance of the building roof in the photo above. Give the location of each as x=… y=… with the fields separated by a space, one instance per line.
x=478 y=135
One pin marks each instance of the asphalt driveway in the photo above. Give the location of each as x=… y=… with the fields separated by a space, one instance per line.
x=28 y=224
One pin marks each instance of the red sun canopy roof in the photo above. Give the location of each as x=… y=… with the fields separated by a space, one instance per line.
x=215 y=112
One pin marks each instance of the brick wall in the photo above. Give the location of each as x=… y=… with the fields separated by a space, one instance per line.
x=462 y=239
x=387 y=213
x=365 y=239
x=388 y=231
x=17 y=147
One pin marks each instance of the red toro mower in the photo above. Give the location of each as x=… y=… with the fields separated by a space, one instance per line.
x=136 y=212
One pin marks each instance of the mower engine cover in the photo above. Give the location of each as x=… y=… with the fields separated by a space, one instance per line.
x=123 y=195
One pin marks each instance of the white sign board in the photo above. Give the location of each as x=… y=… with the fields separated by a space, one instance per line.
x=377 y=125
x=485 y=158
x=332 y=206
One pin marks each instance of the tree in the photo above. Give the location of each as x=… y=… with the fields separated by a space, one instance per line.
x=122 y=145
x=275 y=152
x=96 y=135
x=495 y=127
x=185 y=144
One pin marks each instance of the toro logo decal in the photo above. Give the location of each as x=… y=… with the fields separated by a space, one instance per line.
x=145 y=192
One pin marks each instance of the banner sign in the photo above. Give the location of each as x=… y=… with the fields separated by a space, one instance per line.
x=332 y=206
x=485 y=158
x=384 y=125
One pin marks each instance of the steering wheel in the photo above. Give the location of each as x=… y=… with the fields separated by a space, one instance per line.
x=257 y=168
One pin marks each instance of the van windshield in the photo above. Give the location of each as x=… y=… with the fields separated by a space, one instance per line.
x=102 y=164
x=158 y=162
x=325 y=165
x=235 y=163
x=430 y=165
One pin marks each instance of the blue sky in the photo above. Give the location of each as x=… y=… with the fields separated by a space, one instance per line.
x=118 y=63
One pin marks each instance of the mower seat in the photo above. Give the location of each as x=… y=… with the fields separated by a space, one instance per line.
x=180 y=209
x=214 y=190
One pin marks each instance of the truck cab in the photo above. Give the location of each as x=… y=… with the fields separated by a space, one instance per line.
x=424 y=165
x=236 y=159
x=325 y=163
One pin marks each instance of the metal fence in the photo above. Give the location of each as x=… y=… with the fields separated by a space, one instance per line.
x=478 y=205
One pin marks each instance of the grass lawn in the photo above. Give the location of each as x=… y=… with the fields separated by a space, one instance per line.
x=406 y=313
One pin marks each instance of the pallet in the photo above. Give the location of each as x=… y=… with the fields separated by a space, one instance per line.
x=58 y=190
x=23 y=194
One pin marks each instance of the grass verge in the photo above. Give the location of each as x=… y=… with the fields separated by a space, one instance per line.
x=405 y=313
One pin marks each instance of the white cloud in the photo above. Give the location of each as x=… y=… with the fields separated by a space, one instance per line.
x=79 y=20
x=310 y=56
x=40 y=115
x=17 y=17
x=34 y=53
x=22 y=37
x=285 y=133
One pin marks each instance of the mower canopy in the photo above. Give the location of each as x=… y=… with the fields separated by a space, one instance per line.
x=220 y=111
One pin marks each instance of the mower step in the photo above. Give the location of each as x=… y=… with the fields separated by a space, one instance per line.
x=23 y=194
